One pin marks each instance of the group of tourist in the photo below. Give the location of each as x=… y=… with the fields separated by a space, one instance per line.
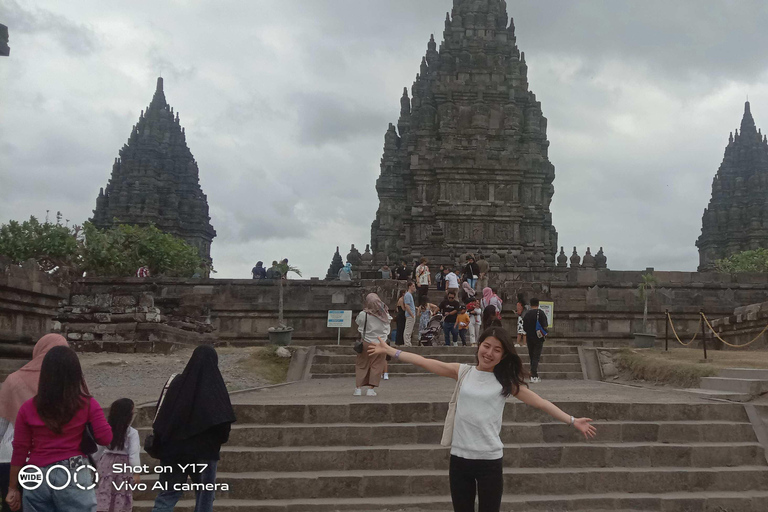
x=446 y=278
x=273 y=272
x=48 y=418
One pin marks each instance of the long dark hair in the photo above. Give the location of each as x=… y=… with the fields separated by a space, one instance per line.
x=120 y=416
x=490 y=317
x=61 y=388
x=509 y=372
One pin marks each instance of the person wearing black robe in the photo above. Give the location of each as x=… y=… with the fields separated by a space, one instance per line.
x=194 y=420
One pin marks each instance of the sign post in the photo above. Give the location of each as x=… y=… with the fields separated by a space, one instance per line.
x=339 y=319
x=549 y=309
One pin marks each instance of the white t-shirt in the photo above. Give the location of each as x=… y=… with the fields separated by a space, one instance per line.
x=132 y=448
x=479 y=411
x=422 y=274
x=452 y=280
x=374 y=329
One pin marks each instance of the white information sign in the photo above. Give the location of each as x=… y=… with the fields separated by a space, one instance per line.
x=339 y=319
x=548 y=308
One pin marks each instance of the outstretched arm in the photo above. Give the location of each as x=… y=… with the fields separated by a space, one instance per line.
x=583 y=425
x=431 y=365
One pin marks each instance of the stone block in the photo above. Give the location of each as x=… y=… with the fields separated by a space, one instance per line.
x=74 y=336
x=88 y=336
x=102 y=317
x=147 y=300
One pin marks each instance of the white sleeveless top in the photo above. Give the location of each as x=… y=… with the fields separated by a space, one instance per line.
x=479 y=411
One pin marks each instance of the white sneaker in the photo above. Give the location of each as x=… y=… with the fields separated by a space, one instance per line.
x=386 y=376
x=535 y=380
x=358 y=392
x=370 y=393
x=517 y=345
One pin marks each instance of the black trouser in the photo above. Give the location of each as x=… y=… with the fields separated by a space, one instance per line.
x=399 y=340
x=423 y=294
x=484 y=478
x=535 y=346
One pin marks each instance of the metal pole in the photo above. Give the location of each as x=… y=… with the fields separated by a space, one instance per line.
x=703 y=334
x=666 y=330
x=338 y=340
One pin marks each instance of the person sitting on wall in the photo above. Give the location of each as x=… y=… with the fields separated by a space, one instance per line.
x=259 y=272
x=272 y=272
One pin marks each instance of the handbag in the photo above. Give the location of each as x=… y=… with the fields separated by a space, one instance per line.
x=151 y=445
x=540 y=332
x=450 y=417
x=88 y=443
x=359 y=343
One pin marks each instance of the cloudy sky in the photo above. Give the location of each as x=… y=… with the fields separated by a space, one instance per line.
x=286 y=102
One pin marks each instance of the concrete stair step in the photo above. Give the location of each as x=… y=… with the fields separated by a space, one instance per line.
x=537 y=481
x=403 y=412
x=753 y=387
x=544 y=375
x=442 y=350
x=744 y=373
x=377 y=434
x=699 y=501
x=402 y=368
x=713 y=394
x=436 y=457
x=451 y=358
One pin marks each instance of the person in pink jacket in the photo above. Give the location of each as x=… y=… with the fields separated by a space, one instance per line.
x=49 y=432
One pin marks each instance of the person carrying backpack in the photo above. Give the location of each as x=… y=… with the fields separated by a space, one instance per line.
x=535 y=324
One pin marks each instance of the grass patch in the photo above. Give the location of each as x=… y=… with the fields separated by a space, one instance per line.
x=267 y=365
x=657 y=367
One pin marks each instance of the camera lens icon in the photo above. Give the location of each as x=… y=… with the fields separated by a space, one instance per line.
x=30 y=477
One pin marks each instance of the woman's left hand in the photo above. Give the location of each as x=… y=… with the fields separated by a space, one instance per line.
x=13 y=499
x=585 y=426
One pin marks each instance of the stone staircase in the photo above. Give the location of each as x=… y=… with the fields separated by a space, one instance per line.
x=735 y=384
x=371 y=456
x=557 y=362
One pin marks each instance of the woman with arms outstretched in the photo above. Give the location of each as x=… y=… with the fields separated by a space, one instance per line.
x=476 y=467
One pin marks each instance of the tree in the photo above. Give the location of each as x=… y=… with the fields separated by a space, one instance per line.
x=646 y=287
x=747 y=261
x=54 y=246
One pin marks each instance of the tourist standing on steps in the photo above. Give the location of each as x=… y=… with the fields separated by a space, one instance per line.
x=49 y=432
x=483 y=267
x=400 y=319
x=373 y=324
x=194 y=420
x=19 y=387
x=424 y=278
x=471 y=272
x=534 y=337
x=475 y=320
x=467 y=294
x=439 y=279
x=476 y=467
x=491 y=317
x=450 y=310
x=521 y=310
x=452 y=282
x=401 y=272
x=259 y=272
x=410 y=313
x=491 y=299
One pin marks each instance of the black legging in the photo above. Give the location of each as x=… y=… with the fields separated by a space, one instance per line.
x=481 y=478
x=399 y=340
x=535 y=346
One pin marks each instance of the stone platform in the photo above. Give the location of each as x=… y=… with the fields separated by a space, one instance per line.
x=312 y=446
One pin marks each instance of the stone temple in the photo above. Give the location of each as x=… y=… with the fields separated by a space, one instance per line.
x=737 y=217
x=467 y=169
x=156 y=181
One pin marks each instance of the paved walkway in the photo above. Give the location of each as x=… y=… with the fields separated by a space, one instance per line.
x=428 y=389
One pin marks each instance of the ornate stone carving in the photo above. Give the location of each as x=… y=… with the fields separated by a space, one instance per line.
x=601 y=261
x=354 y=257
x=562 y=259
x=575 y=259
x=336 y=264
x=589 y=260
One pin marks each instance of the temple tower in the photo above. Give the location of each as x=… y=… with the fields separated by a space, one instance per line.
x=737 y=217
x=156 y=181
x=467 y=166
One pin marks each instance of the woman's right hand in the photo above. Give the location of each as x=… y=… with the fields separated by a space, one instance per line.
x=380 y=348
x=13 y=499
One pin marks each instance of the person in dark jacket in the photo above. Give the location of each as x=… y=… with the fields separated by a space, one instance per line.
x=194 y=420
x=534 y=337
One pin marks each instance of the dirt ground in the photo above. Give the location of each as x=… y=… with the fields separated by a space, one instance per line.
x=140 y=377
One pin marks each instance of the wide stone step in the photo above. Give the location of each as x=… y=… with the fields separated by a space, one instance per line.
x=750 y=386
x=517 y=481
x=403 y=412
x=450 y=358
x=432 y=351
x=401 y=368
x=701 y=501
x=377 y=434
x=542 y=374
x=407 y=457
x=744 y=373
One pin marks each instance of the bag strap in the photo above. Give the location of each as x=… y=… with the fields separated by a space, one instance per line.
x=462 y=375
x=162 y=395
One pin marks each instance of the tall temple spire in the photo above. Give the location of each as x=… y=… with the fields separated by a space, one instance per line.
x=736 y=219
x=470 y=119
x=156 y=180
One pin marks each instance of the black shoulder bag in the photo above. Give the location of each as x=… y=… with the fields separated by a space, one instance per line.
x=359 y=343
x=88 y=443
x=151 y=444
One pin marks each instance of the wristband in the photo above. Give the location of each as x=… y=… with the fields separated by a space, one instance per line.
x=397 y=354
x=573 y=421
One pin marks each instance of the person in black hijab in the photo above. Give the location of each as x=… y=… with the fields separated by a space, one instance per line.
x=194 y=420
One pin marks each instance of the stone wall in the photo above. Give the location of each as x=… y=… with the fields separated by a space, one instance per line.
x=744 y=325
x=29 y=300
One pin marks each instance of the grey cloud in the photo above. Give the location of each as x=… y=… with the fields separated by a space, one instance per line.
x=74 y=37
x=325 y=118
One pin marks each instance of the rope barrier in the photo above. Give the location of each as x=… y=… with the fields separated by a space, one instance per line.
x=725 y=342
x=674 y=331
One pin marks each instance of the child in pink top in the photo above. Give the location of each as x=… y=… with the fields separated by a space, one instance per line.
x=49 y=431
